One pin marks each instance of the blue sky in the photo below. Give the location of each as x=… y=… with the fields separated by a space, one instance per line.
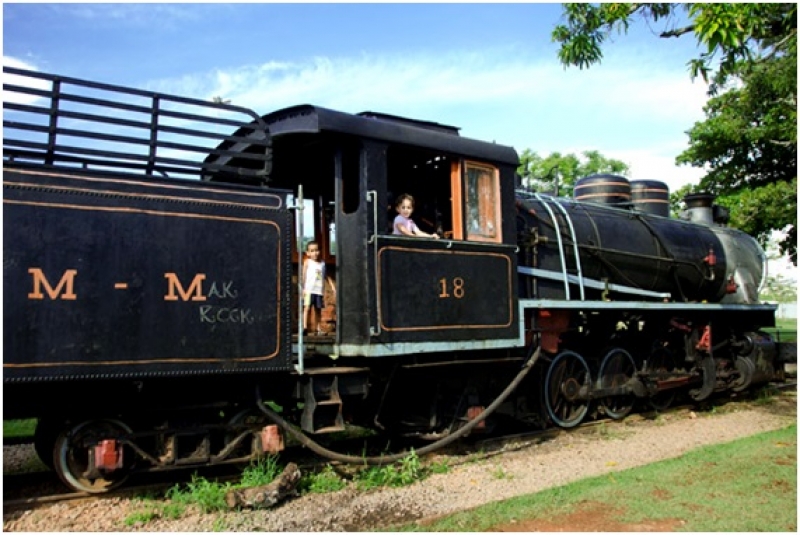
x=490 y=69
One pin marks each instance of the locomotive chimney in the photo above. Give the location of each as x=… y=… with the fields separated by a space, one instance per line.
x=699 y=208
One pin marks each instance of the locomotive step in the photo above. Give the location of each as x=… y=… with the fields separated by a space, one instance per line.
x=322 y=412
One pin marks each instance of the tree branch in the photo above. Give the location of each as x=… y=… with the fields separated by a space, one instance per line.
x=781 y=143
x=779 y=45
x=677 y=32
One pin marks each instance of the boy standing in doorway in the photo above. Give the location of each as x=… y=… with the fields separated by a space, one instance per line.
x=313 y=288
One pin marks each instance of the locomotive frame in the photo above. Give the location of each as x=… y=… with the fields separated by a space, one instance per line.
x=150 y=284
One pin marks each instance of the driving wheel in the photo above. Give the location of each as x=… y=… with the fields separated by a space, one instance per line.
x=566 y=383
x=617 y=369
x=661 y=360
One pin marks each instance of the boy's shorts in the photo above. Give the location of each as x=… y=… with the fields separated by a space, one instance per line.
x=315 y=300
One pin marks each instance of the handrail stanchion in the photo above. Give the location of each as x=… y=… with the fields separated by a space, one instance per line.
x=299 y=207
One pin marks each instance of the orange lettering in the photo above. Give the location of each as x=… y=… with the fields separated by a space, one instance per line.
x=66 y=284
x=195 y=287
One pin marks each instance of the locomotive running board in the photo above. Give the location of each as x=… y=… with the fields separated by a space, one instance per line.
x=397 y=348
x=553 y=304
x=590 y=283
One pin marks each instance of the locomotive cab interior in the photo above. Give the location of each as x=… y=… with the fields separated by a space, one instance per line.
x=426 y=177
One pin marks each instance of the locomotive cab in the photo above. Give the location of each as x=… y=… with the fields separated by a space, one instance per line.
x=397 y=294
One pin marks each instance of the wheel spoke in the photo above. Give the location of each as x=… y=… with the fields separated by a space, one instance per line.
x=616 y=369
x=567 y=374
x=661 y=360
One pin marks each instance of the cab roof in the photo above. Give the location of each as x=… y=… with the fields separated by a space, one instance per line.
x=311 y=119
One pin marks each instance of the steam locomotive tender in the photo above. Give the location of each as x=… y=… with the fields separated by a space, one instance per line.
x=152 y=246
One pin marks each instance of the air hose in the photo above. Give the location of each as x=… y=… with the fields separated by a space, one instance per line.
x=388 y=459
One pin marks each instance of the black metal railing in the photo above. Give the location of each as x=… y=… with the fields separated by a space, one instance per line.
x=60 y=121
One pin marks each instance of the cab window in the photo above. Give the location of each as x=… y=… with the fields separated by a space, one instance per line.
x=482 y=202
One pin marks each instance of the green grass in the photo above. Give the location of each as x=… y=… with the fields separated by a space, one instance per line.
x=441 y=466
x=326 y=480
x=153 y=509
x=785 y=330
x=209 y=496
x=404 y=472
x=19 y=428
x=745 y=485
x=260 y=472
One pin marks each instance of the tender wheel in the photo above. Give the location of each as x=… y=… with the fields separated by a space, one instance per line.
x=617 y=369
x=661 y=360
x=567 y=375
x=74 y=453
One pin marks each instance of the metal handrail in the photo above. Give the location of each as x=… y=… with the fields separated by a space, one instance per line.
x=372 y=196
x=93 y=125
x=575 y=249
x=560 y=244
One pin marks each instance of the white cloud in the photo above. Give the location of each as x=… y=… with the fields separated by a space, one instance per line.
x=351 y=84
x=419 y=81
x=655 y=164
x=13 y=79
x=638 y=114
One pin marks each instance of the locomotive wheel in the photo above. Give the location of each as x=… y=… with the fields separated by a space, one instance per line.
x=616 y=369
x=746 y=369
x=567 y=374
x=71 y=454
x=661 y=360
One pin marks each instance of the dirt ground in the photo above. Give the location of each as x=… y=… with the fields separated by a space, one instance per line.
x=592 y=517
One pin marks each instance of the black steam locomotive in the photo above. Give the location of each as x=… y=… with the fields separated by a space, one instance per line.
x=152 y=310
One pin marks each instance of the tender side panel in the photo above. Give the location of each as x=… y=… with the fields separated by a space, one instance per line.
x=126 y=278
x=436 y=291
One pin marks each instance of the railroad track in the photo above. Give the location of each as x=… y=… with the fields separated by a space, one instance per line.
x=32 y=489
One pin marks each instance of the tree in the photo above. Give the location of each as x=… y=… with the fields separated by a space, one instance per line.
x=779 y=289
x=757 y=211
x=748 y=144
x=748 y=141
x=557 y=173
x=747 y=31
x=749 y=136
